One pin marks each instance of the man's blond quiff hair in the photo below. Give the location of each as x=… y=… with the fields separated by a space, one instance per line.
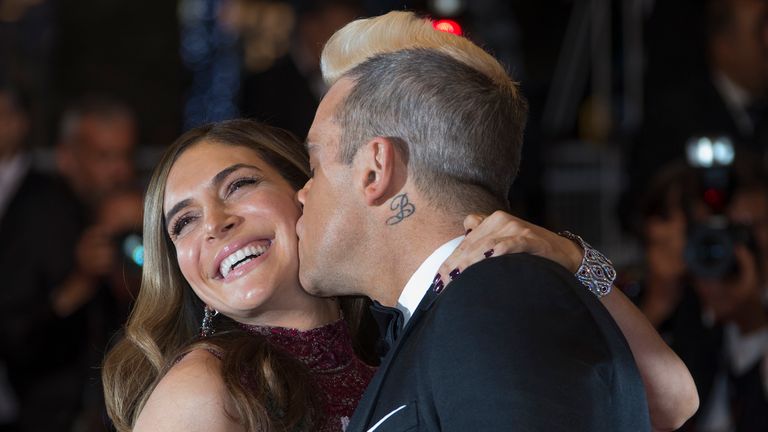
x=397 y=30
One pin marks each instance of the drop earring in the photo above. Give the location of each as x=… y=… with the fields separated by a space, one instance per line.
x=206 y=327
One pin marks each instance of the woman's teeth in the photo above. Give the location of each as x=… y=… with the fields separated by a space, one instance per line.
x=240 y=257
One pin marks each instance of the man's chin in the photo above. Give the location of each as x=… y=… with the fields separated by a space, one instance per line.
x=309 y=284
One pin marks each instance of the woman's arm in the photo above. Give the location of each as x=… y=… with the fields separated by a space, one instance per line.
x=671 y=392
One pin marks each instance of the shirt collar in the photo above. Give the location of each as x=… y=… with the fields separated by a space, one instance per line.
x=422 y=279
x=745 y=351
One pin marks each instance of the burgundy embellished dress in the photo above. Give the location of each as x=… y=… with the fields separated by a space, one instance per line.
x=337 y=372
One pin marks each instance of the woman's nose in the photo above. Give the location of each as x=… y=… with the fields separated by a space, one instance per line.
x=218 y=223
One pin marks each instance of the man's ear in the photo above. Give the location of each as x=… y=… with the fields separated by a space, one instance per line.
x=379 y=170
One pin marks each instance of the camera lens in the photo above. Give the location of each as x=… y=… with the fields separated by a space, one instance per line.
x=709 y=252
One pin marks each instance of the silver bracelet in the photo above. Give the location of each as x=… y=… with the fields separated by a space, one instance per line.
x=596 y=271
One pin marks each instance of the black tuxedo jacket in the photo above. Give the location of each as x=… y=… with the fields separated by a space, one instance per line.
x=513 y=344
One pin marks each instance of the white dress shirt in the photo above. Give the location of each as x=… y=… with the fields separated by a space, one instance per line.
x=422 y=279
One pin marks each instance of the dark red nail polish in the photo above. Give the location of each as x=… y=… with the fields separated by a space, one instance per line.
x=488 y=253
x=438 y=286
x=468 y=231
x=454 y=273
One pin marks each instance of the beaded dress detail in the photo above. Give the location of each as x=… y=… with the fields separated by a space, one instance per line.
x=336 y=371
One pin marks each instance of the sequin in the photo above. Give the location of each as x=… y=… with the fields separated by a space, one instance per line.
x=337 y=372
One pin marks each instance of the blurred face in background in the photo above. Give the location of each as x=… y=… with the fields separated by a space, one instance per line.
x=665 y=244
x=741 y=49
x=97 y=157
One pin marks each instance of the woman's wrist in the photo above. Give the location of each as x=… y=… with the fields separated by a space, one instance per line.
x=595 y=271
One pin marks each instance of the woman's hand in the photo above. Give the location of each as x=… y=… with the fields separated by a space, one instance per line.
x=502 y=234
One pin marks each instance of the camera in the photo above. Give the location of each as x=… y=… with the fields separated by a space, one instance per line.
x=709 y=250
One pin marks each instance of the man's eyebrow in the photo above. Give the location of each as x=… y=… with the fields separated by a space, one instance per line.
x=215 y=182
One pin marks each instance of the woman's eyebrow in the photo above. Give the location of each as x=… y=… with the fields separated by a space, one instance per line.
x=175 y=209
x=223 y=174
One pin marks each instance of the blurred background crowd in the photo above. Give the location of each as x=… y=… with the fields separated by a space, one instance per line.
x=647 y=135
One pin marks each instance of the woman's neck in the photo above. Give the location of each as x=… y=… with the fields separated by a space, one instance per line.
x=294 y=308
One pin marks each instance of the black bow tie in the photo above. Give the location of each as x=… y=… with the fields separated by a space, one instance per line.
x=390 y=321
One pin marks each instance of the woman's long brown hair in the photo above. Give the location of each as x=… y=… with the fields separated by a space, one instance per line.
x=164 y=322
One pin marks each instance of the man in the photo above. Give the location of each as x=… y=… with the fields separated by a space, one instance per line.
x=94 y=155
x=418 y=129
x=40 y=221
x=722 y=332
x=95 y=149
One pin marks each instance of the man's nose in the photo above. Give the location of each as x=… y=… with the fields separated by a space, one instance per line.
x=301 y=195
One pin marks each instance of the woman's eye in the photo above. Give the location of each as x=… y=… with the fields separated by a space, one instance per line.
x=180 y=224
x=237 y=184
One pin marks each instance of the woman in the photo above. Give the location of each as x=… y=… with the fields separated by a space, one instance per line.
x=220 y=218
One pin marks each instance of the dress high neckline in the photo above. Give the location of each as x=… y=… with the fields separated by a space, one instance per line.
x=325 y=348
x=339 y=376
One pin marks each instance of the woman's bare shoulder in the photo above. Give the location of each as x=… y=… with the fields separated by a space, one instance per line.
x=192 y=396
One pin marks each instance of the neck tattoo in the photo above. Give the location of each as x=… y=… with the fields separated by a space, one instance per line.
x=402 y=207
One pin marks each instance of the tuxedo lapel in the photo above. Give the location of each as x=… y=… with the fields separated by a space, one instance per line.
x=367 y=405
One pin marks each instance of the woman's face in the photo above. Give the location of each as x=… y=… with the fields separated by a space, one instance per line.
x=232 y=219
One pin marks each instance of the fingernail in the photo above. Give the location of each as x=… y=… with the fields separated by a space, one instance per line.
x=454 y=273
x=439 y=286
x=468 y=231
x=436 y=279
x=488 y=253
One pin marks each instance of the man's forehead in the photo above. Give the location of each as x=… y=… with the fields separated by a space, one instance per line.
x=334 y=97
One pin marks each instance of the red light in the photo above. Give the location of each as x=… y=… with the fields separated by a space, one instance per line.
x=448 y=26
x=714 y=198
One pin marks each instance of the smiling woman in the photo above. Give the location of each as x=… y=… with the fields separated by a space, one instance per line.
x=220 y=235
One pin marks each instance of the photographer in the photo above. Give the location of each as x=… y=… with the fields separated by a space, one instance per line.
x=733 y=304
x=706 y=244
x=95 y=157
